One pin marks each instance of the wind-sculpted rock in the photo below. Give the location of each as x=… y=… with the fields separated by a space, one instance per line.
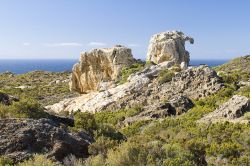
x=169 y=46
x=142 y=89
x=232 y=111
x=21 y=138
x=98 y=66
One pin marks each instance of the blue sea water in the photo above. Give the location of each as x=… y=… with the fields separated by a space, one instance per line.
x=24 y=66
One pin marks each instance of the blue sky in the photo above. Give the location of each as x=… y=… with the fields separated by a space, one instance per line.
x=61 y=29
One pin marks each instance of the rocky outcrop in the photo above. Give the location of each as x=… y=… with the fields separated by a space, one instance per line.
x=20 y=138
x=98 y=101
x=175 y=106
x=7 y=99
x=142 y=89
x=231 y=111
x=98 y=67
x=169 y=46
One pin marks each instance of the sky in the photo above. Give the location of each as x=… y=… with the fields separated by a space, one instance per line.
x=61 y=29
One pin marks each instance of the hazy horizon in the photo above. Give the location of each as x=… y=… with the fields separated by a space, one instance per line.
x=61 y=29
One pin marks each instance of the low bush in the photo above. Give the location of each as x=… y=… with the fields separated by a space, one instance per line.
x=102 y=145
x=113 y=117
x=38 y=160
x=247 y=116
x=5 y=161
x=134 y=128
x=25 y=108
x=165 y=76
x=126 y=72
x=85 y=121
x=245 y=91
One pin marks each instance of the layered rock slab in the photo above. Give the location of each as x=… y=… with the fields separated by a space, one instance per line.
x=169 y=46
x=232 y=111
x=20 y=138
x=142 y=89
x=99 y=66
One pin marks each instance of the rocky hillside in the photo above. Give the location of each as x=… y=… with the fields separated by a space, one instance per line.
x=240 y=64
x=46 y=87
x=162 y=112
x=237 y=68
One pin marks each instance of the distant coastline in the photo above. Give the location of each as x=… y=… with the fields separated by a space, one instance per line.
x=21 y=66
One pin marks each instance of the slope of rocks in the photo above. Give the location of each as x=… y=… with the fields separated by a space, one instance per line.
x=240 y=64
x=143 y=89
x=20 y=138
x=232 y=111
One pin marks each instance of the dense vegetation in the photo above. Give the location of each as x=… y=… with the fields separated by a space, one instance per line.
x=25 y=108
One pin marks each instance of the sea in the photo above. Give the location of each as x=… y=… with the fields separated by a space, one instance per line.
x=55 y=65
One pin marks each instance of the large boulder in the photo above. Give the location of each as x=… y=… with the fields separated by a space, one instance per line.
x=169 y=46
x=232 y=111
x=99 y=66
x=21 y=138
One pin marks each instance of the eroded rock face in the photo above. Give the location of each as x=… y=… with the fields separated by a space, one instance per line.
x=98 y=66
x=231 y=111
x=142 y=89
x=175 y=106
x=169 y=46
x=20 y=138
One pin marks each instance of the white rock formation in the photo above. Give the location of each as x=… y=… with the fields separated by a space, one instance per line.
x=97 y=101
x=98 y=66
x=142 y=87
x=169 y=46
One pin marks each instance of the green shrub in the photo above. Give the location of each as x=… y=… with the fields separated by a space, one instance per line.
x=25 y=108
x=134 y=128
x=165 y=76
x=245 y=91
x=98 y=160
x=4 y=111
x=247 y=116
x=176 y=155
x=71 y=160
x=127 y=154
x=126 y=72
x=108 y=131
x=176 y=68
x=102 y=145
x=85 y=121
x=113 y=117
x=5 y=161
x=38 y=160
